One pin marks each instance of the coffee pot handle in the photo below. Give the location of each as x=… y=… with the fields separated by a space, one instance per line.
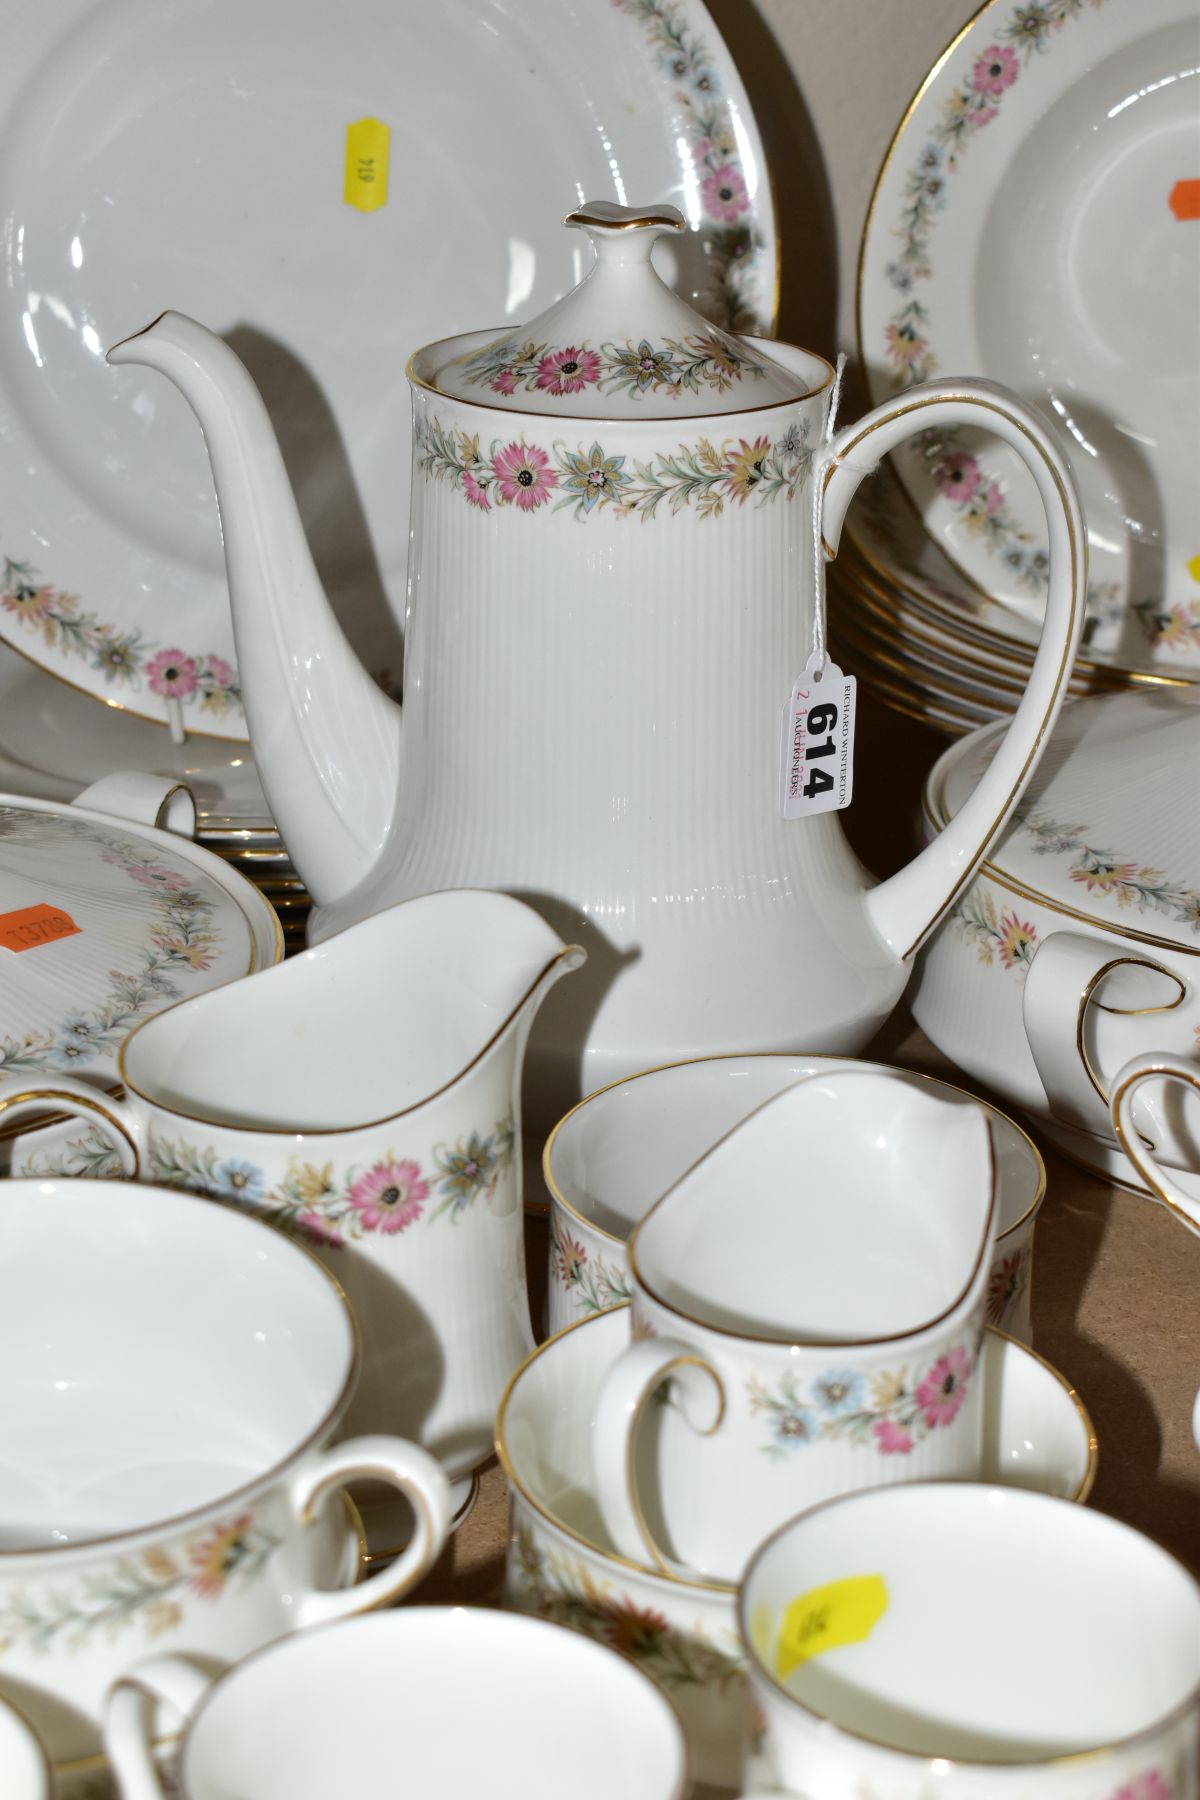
x=1154 y=1066
x=130 y=1710
x=905 y=908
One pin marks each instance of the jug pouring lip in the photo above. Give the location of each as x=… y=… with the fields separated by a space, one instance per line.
x=565 y=958
x=908 y=1334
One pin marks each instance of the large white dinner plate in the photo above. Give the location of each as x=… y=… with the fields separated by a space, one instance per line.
x=192 y=155
x=1035 y=222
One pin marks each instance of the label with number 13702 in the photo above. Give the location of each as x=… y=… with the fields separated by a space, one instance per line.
x=817 y=773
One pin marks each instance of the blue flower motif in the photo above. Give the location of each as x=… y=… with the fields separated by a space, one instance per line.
x=839 y=1391
x=235 y=1180
x=76 y=1044
x=792 y=1426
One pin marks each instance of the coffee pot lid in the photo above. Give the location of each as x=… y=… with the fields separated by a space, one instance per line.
x=620 y=345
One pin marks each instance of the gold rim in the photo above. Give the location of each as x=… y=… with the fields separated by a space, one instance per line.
x=568 y=953
x=796 y=1342
x=933 y=805
x=1087 y=999
x=915 y=1757
x=249 y=1490
x=687 y=1062
x=543 y=421
x=212 y=737
x=722 y=1587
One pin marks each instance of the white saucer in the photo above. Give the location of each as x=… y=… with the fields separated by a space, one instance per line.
x=195 y=157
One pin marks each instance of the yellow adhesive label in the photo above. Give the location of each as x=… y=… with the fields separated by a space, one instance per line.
x=1193 y=568
x=841 y=1612
x=366 y=164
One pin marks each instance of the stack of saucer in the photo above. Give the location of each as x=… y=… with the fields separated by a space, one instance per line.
x=926 y=640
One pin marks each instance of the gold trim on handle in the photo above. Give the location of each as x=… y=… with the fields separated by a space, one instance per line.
x=1127 y=1012
x=1144 y=1165
x=662 y=1566
x=899 y=411
x=78 y=1104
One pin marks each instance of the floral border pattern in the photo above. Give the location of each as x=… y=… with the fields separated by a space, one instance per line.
x=1103 y=872
x=182 y=938
x=997 y=934
x=147 y=1589
x=384 y=1198
x=563 y=1589
x=704 y=475
x=908 y=350
x=731 y=239
x=123 y=658
x=91 y=1155
x=1175 y=628
x=692 y=365
x=887 y=1412
x=1007 y=1281
x=590 y=1283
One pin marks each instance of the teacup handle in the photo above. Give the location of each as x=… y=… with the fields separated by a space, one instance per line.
x=1062 y=985
x=129 y=1711
x=418 y=1476
x=1125 y=1085
x=33 y=1098
x=905 y=908
x=628 y=1387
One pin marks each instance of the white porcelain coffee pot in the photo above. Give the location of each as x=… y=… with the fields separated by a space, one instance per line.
x=611 y=595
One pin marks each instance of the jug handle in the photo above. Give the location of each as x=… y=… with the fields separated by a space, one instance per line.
x=146 y=799
x=1126 y=1082
x=905 y=908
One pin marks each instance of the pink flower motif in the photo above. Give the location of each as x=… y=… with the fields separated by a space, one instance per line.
x=319 y=1231
x=475 y=494
x=505 y=382
x=155 y=876
x=1150 y=1786
x=172 y=673
x=995 y=70
x=958 y=477
x=890 y=1440
x=944 y=1389
x=724 y=194
x=567 y=371
x=993 y=500
x=700 y=149
x=220 y=671
x=524 y=475
x=389 y=1196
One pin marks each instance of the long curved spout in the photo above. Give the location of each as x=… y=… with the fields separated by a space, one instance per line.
x=326 y=739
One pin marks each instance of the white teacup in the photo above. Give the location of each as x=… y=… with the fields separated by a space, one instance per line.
x=171 y=1375
x=24 y=1771
x=683 y=1634
x=814 y=1289
x=1158 y=1069
x=431 y=1701
x=611 y=1157
x=973 y=1642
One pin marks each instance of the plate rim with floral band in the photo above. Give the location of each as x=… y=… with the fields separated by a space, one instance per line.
x=965 y=500
x=96 y=634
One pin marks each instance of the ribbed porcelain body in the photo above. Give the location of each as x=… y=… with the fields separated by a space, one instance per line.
x=593 y=702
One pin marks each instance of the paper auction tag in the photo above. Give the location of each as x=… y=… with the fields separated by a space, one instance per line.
x=30 y=927
x=841 y=1612
x=817 y=762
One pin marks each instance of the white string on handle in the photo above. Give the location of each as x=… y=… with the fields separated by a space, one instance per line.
x=818 y=633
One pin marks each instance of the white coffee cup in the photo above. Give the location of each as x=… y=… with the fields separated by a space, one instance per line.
x=973 y=1642
x=814 y=1290
x=445 y=1701
x=171 y=1375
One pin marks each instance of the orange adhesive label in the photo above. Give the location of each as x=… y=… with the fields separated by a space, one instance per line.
x=32 y=926
x=1184 y=199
